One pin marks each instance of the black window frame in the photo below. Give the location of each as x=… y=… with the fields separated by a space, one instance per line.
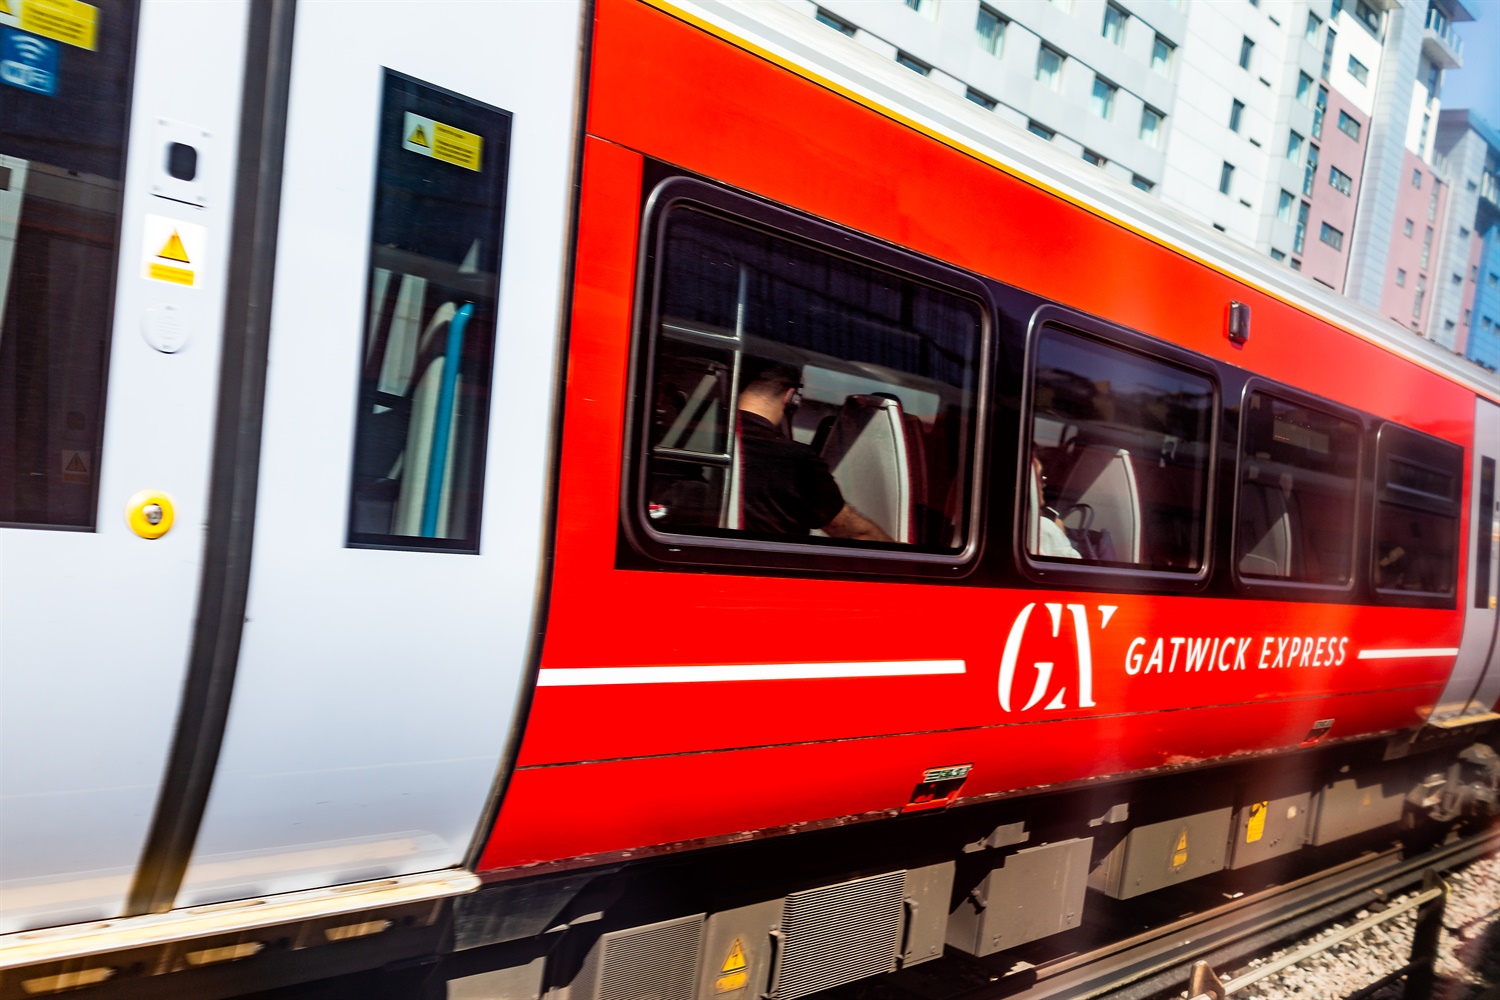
x=665 y=188
x=1066 y=573
x=1272 y=588
x=1418 y=449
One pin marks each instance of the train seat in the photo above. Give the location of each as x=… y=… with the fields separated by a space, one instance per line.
x=1270 y=527
x=869 y=450
x=1102 y=503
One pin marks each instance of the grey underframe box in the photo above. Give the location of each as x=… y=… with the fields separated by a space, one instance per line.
x=1038 y=892
x=1270 y=827
x=1352 y=805
x=1157 y=855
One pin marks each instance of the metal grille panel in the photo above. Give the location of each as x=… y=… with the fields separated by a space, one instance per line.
x=840 y=933
x=655 y=962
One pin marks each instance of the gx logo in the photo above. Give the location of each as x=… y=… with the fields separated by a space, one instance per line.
x=1082 y=645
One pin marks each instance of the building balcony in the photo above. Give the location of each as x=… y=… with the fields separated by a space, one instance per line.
x=1440 y=43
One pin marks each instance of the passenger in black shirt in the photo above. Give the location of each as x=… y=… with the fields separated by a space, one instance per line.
x=785 y=486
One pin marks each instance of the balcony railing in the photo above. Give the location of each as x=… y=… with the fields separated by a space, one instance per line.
x=1489 y=188
x=1439 y=27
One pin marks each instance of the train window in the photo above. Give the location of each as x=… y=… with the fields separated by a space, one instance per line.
x=798 y=395
x=1299 y=474
x=62 y=160
x=1417 y=493
x=1120 y=457
x=429 y=337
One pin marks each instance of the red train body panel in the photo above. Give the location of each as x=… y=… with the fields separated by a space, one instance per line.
x=619 y=767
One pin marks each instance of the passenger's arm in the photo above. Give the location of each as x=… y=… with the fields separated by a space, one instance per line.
x=850 y=523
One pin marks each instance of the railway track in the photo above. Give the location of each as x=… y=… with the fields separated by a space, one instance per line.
x=1158 y=962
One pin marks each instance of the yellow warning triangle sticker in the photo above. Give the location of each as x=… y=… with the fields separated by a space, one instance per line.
x=75 y=464
x=173 y=250
x=1179 y=857
x=736 y=960
x=418 y=137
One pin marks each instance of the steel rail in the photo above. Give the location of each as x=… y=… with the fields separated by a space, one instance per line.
x=1159 y=960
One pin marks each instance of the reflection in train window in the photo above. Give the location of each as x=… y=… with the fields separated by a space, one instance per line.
x=62 y=157
x=1416 y=513
x=430 y=323
x=1120 y=448
x=1299 y=469
x=797 y=395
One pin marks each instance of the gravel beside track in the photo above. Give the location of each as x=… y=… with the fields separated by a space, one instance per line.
x=1469 y=955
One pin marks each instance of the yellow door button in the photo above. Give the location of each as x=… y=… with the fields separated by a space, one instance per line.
x=149 y=513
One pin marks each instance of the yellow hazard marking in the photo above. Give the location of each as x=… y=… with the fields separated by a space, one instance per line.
x=1179 y=857
x=430 y=137
x=5 y=8
x=69 y=21
x=176 y=275
x=733 y=974
x=1256 y=828
x=174 y=250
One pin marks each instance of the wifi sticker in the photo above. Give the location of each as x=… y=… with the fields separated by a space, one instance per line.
x=28 y=62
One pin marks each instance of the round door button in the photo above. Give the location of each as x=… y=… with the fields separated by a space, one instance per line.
x=149 y=513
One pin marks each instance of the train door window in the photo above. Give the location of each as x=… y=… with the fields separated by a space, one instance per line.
x=1298 y=487
x=429 y=331
x=1417 y=496
x=802 y=395
x=63 y=119
x=1120 y=458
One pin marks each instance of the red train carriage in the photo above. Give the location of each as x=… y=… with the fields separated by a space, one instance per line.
x=1171 y=566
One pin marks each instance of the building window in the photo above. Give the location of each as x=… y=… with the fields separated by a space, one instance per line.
x=1226 y=176
x=1102 y=101
x=1284 y=206
x=1422 y=139
x=989 y=31
x=1293 y=146
x=837 y=24
x=1458 y=279
x=1426 y=247
x=1299 y=238
x=1320 y=108
x=1328 y=53
x=988 y=103
x=1416 y=178
x=1467 y=313
x=1432 y=202
x=1416 y=306
x=1463 y=233
x=1296 y=264
x=1278 y=256
x=1313 y=24
x=1400 y=277
x=1340 y=181
x=1359 y=70
x=1038 y=129
x=1474 y=273
x=1493 y=279
x=1304 y=89
x=1348 y=125
x=1368 y=16
x=1310 y=172
x=1049 y=63
x=914 y=4
x=1333 y=237
x=1137 y=180
x=1161 y=55
x=1090 y=156
x=1151 y=126
x=1236 y=110
x=1406 y=228
x=913 y=64
x=1114 y=24
x=1246 y=48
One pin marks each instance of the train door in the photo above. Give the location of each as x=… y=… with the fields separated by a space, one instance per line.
x=1475 y=683
x=399 y=522
x=118 y=133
